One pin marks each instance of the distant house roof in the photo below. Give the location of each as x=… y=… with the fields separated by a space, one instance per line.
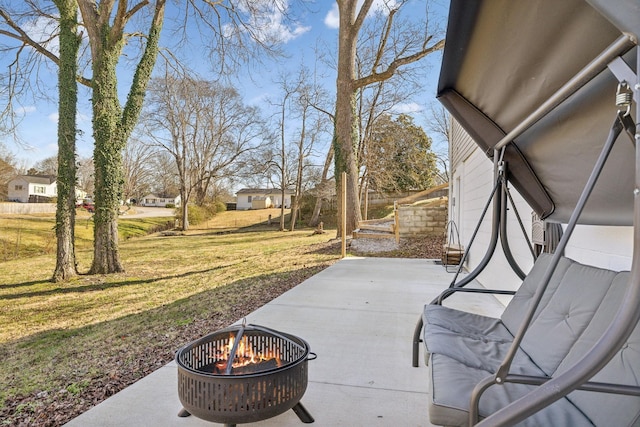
x=39 y=179
x=264 y=191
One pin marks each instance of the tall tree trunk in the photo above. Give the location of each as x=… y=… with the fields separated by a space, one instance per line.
x=107 y=157
x=283 y=193
x=67 y=105
x=295 y=202
x=346 y=123
x=184 y=208
x=112 y=125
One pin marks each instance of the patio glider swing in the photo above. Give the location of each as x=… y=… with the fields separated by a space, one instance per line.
x=549 y=90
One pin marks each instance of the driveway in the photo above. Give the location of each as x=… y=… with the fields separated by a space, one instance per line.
x=147 y=212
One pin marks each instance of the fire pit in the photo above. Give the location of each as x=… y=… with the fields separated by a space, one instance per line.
x=243 y=374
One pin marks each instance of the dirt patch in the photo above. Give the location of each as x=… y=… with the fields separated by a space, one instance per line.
x=429 y=247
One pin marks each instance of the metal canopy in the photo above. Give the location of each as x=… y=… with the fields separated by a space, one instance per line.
x=544 y=73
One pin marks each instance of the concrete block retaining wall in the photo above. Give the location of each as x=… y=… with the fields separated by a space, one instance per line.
x=422 y=220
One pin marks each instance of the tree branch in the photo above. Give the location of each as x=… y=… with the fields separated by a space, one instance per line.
x=383 y=39
x=362 y=14
x=397 y=63
x=144 y=69
x=24 y=37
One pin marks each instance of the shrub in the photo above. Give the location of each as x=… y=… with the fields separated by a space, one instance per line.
x=170 y=206
x=220 y=206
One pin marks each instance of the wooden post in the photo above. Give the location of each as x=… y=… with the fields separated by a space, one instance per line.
x=396 y=222
x=344 y=214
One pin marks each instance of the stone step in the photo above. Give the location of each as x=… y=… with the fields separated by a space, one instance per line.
x=377 y=227
x=358 y=234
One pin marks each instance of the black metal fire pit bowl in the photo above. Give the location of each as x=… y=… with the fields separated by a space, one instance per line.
x=216 y=391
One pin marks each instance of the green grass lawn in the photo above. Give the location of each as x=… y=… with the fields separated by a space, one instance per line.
x=63 y=340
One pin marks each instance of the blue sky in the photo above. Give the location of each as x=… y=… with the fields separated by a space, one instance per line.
x=317 y=26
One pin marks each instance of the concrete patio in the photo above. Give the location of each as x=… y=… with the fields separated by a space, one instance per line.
x=358 y=316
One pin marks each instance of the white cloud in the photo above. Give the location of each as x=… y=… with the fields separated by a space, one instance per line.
x=332 y=19
x=53 y=117
x=26 y=109
x=41 y=30
x=267 y=20
x=410 y=107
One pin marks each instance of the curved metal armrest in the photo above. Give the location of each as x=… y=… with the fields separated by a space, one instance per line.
x=450 y=291
x=612 y=388
x=482 y=386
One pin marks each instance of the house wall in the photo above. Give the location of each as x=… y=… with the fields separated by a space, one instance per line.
x=159 y=202
x=470 y=186
x=277 y=197
x=18 y=190
x=50 y=190
x=244 y=201
x=261 y=203
x=29 y=188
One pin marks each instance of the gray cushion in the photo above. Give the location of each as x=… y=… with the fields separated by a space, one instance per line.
x=519 y=304
x=457 y=333
x=624 y=368
x=564 y=318
x=465 y=323
x=450 y=394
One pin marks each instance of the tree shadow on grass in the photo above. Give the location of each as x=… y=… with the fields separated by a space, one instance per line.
x=25 y=284
x=98 y=286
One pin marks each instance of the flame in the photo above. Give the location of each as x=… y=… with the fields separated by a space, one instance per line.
x=245 y=355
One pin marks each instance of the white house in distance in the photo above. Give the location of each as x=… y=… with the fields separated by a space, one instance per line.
x=160 y=201
x=32 y=188
x=469 y=188
x=262 y=198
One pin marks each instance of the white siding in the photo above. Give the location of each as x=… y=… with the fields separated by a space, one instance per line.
x=244 y=203
x=463 y=147
x=18 y=190
x=604 y=247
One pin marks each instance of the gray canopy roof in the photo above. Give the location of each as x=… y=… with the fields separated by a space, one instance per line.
x=504 y=59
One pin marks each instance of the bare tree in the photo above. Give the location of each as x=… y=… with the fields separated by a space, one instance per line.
x=298 y=125
x=85 y=173
x=399 y=44
x=278 y=158
x=205 y=127
x=322 y=190
x=136 y=160
x=440 y=124
x=7 y=170
x=164 y=174
x=47 y=166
